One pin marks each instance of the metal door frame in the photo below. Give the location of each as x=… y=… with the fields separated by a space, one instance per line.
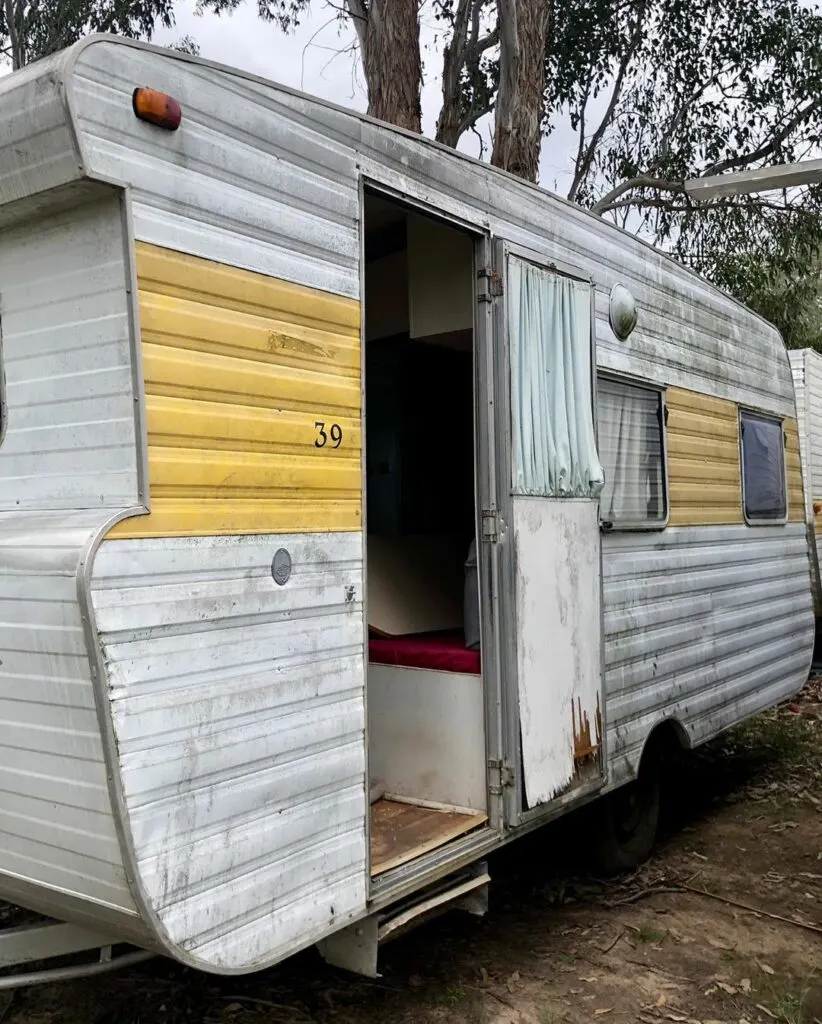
x=486 y=446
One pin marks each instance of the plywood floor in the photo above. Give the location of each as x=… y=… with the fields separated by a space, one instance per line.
x=400 y=832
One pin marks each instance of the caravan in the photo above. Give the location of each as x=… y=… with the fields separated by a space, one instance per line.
x=271 y=371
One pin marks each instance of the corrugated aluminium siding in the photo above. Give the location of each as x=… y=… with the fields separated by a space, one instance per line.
x=708 y=625
x=797 y=361
x=56 y=822
x=38 y=150
x=238 y=709
x=70 y=430
x=271 y=185
x=239 y=371
x=806 y=365
x=813 y=400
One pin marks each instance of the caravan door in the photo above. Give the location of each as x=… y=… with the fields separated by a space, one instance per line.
x=550 y=479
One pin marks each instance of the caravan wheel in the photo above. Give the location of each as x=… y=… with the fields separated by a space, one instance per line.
x=626 y=822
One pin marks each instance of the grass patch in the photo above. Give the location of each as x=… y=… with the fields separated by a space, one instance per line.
x=454 y=995
x=789 y=1004
x=550 y=1015
x=776 y=737
x=646 y=933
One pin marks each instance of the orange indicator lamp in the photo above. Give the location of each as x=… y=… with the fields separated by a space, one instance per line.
x=157 y=108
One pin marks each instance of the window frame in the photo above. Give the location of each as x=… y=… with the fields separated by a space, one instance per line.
x=746 y=410
x=639 y=525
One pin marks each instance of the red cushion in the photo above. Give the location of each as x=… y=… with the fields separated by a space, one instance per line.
x=445 y=652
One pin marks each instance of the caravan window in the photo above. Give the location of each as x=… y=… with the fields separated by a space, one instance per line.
x=764 y=491
x=630 y=434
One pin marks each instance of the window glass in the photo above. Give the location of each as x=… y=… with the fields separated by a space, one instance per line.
x=763 y=467
x=629 y=428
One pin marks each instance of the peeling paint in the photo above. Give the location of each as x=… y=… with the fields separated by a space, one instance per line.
x=585 y=748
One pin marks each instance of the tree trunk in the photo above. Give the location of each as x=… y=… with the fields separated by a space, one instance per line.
x=389 y=34
x=449 y=124
x=13 y=10
x=518 y=123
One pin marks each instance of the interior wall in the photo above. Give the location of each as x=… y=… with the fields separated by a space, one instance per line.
x=419 y=375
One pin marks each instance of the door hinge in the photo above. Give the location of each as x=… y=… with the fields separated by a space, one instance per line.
x=490 y=526
x=500 y=776
x=490 y=284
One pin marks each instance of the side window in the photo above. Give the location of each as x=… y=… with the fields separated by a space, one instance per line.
x=764 y=492
x=631 y=449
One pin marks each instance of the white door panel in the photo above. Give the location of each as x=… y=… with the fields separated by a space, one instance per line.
x=557 y=594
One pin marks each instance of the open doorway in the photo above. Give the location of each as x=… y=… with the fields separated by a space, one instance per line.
x=426 y=731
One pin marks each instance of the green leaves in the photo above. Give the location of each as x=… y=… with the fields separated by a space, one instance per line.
x=30 y=29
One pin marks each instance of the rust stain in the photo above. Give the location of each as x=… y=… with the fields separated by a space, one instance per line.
x=585 y=749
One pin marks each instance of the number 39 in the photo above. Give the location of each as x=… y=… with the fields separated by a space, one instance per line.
x=334 y=432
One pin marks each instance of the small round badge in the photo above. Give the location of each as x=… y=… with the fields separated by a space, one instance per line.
x=281 y=567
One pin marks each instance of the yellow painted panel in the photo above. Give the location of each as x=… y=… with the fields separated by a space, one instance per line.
x=189 y=325
x=239 y=370
x=187 y=423
x=166 y=272
x=704 y=483
x=182 y=518
x=227 y=380
x=796 y=494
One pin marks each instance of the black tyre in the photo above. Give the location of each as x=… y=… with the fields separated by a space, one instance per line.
x=624 y=823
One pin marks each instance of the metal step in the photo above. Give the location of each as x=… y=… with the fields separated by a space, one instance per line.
x=356 y=948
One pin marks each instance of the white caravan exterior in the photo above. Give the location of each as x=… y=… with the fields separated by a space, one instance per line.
x=184 y=681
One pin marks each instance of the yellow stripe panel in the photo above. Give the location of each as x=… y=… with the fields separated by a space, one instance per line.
x=239 y=368
x=796 y=494
x=704 y=483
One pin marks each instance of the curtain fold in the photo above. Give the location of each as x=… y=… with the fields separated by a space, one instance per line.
x=549 y=328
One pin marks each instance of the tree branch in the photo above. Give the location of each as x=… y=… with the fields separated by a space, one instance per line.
x=359 y=15
x=770 y=147
x=606 y=203
x=584 y=166
x=586 y=95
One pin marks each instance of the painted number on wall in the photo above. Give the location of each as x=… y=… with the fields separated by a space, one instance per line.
x=334 y=436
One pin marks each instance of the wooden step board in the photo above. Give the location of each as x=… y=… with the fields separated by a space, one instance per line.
x=400 y=832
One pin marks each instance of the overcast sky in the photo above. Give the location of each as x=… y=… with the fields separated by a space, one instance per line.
x=318 y=58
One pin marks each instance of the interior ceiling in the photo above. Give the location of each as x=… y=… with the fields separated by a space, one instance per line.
x=385 y=227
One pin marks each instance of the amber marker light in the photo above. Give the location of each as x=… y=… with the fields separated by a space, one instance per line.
x=157 y=108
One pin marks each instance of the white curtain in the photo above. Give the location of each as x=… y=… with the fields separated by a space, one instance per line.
x=630 y=446
x=549 y=329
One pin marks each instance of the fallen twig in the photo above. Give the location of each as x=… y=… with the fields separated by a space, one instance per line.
x=643 y=894
x=659 y=970
x=753 y=910
x=609 y=947
x=269 y=1003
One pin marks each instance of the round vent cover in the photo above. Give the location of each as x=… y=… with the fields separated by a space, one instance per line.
x=622 y=311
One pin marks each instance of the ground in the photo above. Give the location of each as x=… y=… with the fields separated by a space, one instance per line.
x=724 y=924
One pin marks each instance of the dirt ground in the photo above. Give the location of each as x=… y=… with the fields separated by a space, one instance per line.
x=724 y=924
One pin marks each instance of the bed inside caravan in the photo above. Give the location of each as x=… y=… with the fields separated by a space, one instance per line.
x=426 y=731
